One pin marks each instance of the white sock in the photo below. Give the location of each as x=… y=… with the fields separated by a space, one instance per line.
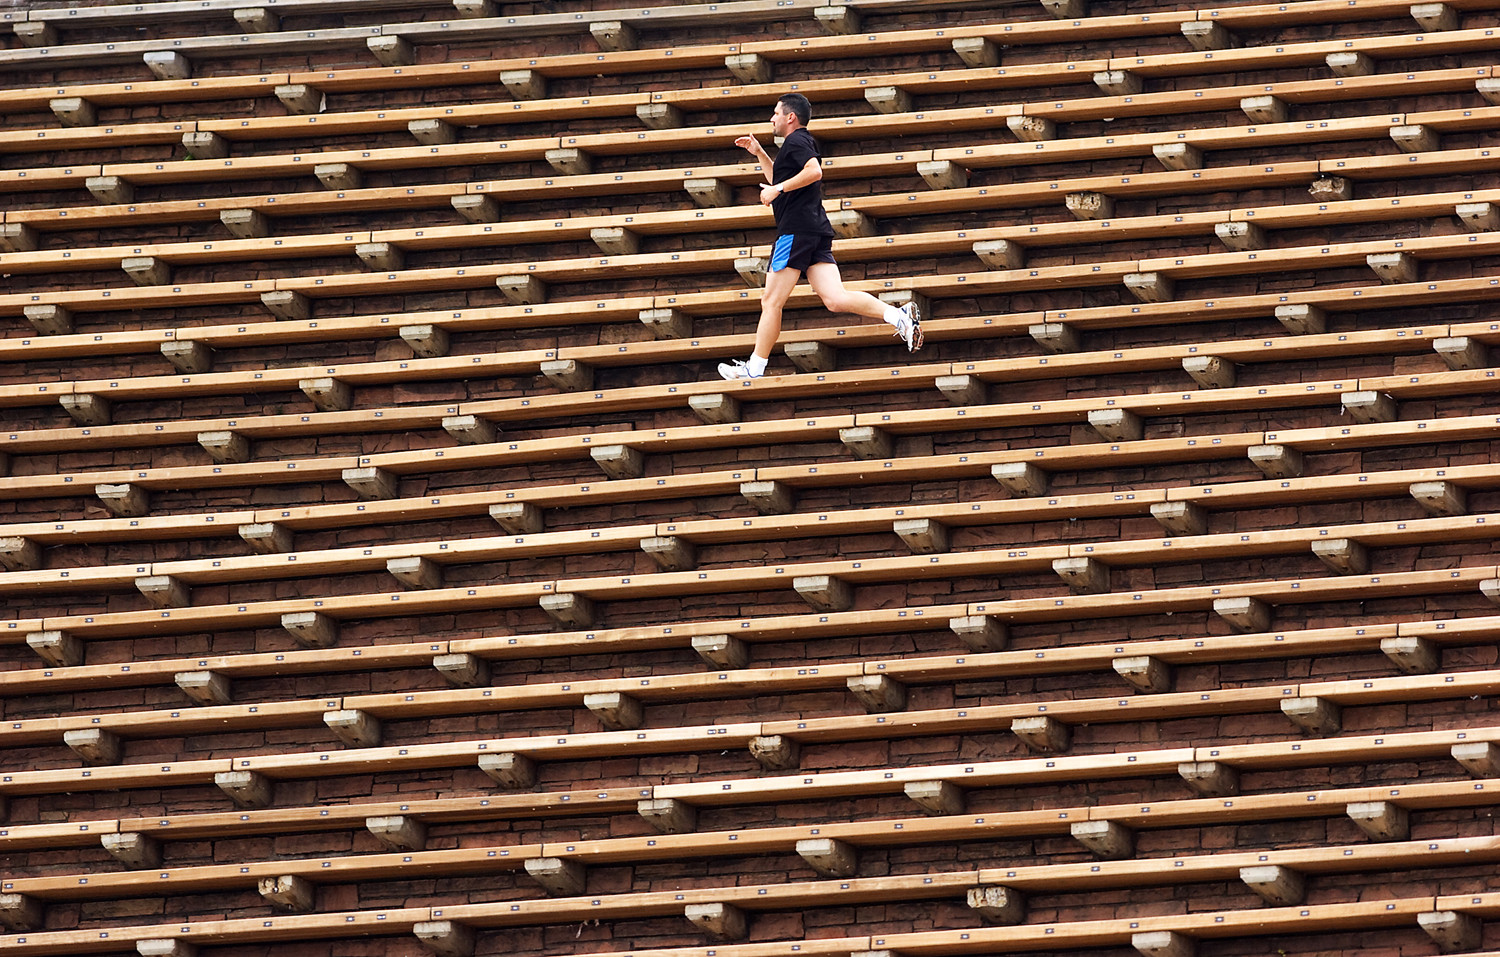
x=893 y=316
x=756 y=364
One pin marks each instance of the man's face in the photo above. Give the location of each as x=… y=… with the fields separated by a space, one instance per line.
x=782 y=120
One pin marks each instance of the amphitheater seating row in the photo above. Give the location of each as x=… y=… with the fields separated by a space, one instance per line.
x=1216 y=768
x=439 y=554
x=978 y=886
x=527 y=282
x=340 y=166
x=831 y=849
x=621 y=454
x=315 y=621
x=1460 y=345
x=965 y=384
x=265 y=37
x=393 y=43
x=379 y=245
x=879 y=88
x=1001 y=885
x=527 y=524
x=1322 y=701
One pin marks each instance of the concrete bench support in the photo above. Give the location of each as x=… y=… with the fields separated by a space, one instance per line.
x=57 y=648
x=136 y=851
x=824 y=592
x=1109 y=840
x=724 y=652
x=267 y=538
x=977 y=52
x=463 y=670
x=1021 y=479
x=1381 y=820
x=398 y=832
x=1453 y=932
x=1277 y=886
x=446 y=938
x=371 y=483
x=980 y=633
x=205 y=687
x=94 y=745
x=1043 y=734
x=558 y=876
x=246 y=789
x=878 y=694
x=1211 y=372
x=1244 y=614
x=569 y=611
x=768 y=498
x=509 y=770
x=616 y=711
x=357 y=729
x=614 y=36
x=1163 y=943
x=1343 y=555
x=1205 y=35
x=775 y=752
x=1314 y=715
x=1181 y=518
x=923 y=536
x=939 y=798
x=668 y=816
x=1145 y=673
x=311 y=629
x=830 y=858
x=719 y=921
x=1210 y=778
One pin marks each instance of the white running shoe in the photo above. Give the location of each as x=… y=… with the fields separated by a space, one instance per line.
x=736 y=370
x=909 y=329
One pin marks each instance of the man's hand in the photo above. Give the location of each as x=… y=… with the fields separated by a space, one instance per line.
x=751 y=144
x=769 y=193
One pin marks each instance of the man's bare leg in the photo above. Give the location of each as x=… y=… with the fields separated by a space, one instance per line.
x=829 y=285
x=779 y=286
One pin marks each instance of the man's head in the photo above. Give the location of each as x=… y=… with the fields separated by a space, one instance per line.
x=792 y=112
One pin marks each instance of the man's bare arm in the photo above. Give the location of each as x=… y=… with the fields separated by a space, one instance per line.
x=810 y=173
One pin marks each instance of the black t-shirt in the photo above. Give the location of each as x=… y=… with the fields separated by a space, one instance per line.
x=798 y=211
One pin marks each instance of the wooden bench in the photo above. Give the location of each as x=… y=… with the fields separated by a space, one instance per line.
x=457 y=29
x=1191 y=812
x=229 y=667
x=1238 y=600
x=809 y=786
x=349 y=377
x=174 y=11
x=247 y=335
x=640 y=692
x=442 y=237
x=763 y=897
x=929 y=82
x=504 y=411
x=475 y=72
x=1215 y=496
x=1125 y=26
x=579 y=447
x=444 y=552
x=851 y=248
x=741 y=299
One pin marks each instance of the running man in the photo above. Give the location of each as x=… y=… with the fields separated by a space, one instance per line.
x=804 y=241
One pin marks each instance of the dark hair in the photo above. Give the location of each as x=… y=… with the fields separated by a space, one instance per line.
x=797 y=104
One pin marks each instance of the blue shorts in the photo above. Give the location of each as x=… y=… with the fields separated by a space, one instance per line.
x=799 y=252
